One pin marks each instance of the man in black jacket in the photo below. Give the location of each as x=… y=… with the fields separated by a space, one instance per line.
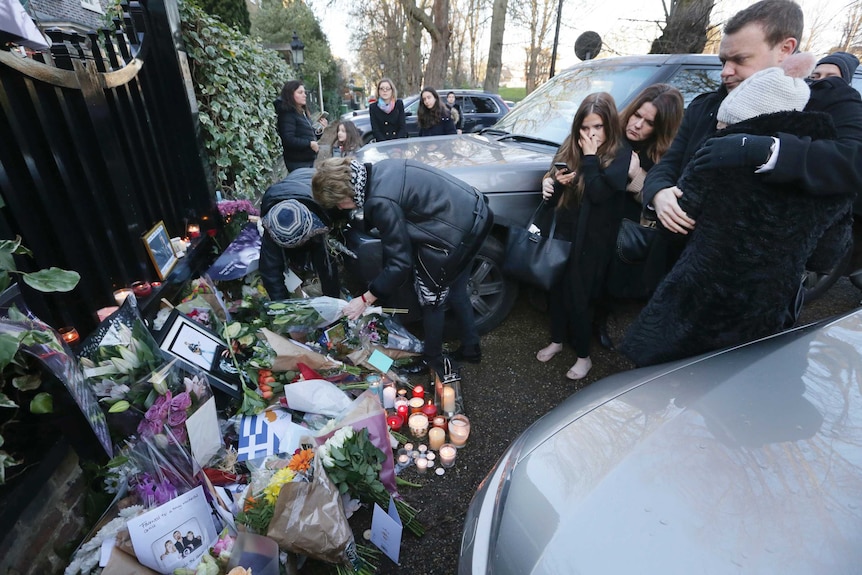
x=431 y=225
x=759 y=37
x=296 y=229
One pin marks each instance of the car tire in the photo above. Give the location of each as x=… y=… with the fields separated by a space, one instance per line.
x=491 y=293
x=815 y=284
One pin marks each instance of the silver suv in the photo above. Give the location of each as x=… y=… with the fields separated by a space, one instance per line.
x=506 y=161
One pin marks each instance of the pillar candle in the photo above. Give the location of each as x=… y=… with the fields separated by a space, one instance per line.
x=388 y=397
x=419 y=391
x=436 y=438
x=448 y=403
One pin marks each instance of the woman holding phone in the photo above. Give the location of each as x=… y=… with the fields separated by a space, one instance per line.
x=586 y=186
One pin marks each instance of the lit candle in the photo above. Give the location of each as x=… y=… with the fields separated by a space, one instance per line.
x=430 y=410
x=156 y=285
x=374 y=386
x=440 y=422
x=416 y=404
x=419 y=391
x=142 y=289
x=418 y=424
x=403 y=410
x=121 y=294
x=408 y=447
x=388 y=397
x=448 y=403
x=421 y=464
x=69 y=335
x=447 y=455
x=459 y=430
x=436 y=438
x=194 y=231
x=395 y=422
x=403 y=459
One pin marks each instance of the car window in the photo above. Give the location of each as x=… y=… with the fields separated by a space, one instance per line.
x=695 y=81
x=547 y=113
x=412 y=106
x=484 y=105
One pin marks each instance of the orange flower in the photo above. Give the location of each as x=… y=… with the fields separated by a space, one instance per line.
x=301 y=460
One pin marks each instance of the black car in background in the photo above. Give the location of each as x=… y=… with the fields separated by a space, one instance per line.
x=480 y=110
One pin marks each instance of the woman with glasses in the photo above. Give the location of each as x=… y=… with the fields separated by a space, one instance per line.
x=387 y=113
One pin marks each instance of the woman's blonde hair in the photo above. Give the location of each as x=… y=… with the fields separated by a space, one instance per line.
x=331 y=185
x=391 y=85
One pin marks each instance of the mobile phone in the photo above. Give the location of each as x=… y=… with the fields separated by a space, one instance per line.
x=561 y=166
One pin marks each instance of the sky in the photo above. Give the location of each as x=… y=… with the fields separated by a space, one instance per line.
x=626 y=26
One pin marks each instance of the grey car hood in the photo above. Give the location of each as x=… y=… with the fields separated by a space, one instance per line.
x=485 y=162
x=749 y=461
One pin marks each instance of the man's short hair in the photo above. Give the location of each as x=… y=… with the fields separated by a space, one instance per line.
x=780 y=19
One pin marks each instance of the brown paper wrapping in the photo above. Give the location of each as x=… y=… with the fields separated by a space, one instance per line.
x=289 y=354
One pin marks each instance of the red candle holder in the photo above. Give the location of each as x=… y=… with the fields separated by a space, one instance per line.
x=403 y=410
x=419 y=391
x=142 y=289
x=69 y=335
x=430 y=410
x=395 y=422
x=194 y=231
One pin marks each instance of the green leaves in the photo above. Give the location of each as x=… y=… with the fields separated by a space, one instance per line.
x=42 y=403
x=52 y=280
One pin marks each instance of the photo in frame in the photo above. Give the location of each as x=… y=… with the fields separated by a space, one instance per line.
x=200 y=348
x=158 y=244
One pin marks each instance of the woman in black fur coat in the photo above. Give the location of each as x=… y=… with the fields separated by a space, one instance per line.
x=739 y=276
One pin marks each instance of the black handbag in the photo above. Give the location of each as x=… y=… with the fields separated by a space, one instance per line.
x=634 y=241
x=534 y=258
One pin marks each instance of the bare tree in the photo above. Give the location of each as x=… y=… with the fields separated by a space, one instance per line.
x=437 y=27
x=538 y=16
x=851 y=35
x=495 y=51
x=687 y=24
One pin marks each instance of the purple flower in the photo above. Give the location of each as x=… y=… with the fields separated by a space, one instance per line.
x=158 y=411
x=147 y=428
x=230 y=207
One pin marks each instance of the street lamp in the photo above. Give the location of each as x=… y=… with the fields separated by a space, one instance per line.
x=297 y=50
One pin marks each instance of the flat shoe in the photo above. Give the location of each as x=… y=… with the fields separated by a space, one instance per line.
x=576 y=375
x=547 y=353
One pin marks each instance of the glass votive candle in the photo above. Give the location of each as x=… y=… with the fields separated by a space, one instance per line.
x=194 y=231
x=142 y=289
x=421 y=464
x=459 y=430
x=419 y=391
x=447 y=455
x=418 y=424
x=403 y=410
x=416 y=404
x=395 y=422
x=121 y=294
x=430 y=410
x=69 y=335
x=436 y=438
x=440 y=422
x=375 y=386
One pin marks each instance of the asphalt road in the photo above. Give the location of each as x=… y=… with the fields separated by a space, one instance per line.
x=503 y=395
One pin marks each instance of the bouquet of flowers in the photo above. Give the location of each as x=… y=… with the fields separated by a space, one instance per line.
x=303 y=314
x=266 y=485
x=353 y=463
x=236 y=214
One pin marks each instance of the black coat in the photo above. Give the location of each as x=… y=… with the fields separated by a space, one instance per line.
x=389 y=126
x=296 y=133
x=820 y=167
x=274 y=259
x=443 y=127
x=593 y=247
x=739 y=274
x=426 y=218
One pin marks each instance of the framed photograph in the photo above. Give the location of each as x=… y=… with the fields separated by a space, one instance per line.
x=158 y=244
x=200 y=348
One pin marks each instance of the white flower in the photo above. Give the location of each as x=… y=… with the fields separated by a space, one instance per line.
x=323 y=454
x=340 y=436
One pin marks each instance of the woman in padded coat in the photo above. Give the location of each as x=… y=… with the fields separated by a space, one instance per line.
x=298 y=140
x=738 y=278
x=431 y=225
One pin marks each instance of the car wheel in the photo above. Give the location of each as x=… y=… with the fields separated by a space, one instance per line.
x=815 y=284
x=491 y=293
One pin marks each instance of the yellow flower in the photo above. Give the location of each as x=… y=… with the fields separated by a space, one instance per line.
x=282 y=476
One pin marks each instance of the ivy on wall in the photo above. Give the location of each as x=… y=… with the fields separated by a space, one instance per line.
x=236 y=82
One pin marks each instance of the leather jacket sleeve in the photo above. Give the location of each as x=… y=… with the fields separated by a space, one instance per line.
x=272 y=265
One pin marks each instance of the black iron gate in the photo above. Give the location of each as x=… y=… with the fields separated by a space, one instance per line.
x=100 y=141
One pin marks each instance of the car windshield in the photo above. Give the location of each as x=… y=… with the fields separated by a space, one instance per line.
x=547 y=113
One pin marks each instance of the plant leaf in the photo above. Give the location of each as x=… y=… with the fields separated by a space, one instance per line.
x=6 y=402
x=52 y=280
x=42 y=403
x=27 y=382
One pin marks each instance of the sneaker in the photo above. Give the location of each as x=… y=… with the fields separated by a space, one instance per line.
x=468 y=353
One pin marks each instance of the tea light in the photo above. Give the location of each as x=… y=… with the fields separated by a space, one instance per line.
x=69 y=335
x=447 y=455
x=418 y=424
x=408 y=447
x=430 y=410
x=194 y=231
x=121 y=294
x=459 y=430
x=395 y=422
x=419 y=391
x=421 y=464
x=156 y=285
x=430 y=456
x=142 y=289
x=416 y=404
x=436 y=438
x=403 y=459
x=448 y=401
x=439 y=471
x=440 y=422
x=422 y=448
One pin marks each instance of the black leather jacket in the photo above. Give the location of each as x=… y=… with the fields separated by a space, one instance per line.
x=274 y=259
x=425 y=217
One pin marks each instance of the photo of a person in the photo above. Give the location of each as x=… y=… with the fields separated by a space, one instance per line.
x=195 y=347
x=191 y=541
x=178 y=542
x=170 y=549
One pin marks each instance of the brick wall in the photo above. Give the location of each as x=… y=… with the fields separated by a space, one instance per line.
x=49 y=12
x=51 y=526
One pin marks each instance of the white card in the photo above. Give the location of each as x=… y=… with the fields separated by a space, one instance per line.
x=386 y=530
x=204 y=434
